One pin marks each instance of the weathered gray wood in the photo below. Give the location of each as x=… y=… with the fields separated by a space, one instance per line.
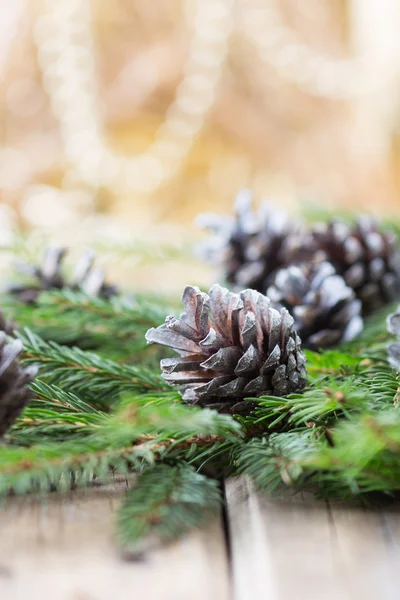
x=66 y=551
x=299 y=549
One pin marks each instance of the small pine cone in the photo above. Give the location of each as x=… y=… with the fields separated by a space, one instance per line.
x=14 y=391
x=49 y=276
x=231 y=346
x=367 y=257
x=91 y=279
x=250 y=246
x=325 y=310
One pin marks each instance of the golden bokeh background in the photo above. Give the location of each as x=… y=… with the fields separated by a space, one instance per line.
x=121 y=120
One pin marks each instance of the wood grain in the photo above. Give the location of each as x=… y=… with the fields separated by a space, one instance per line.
x=65 y=551
x=297 y=548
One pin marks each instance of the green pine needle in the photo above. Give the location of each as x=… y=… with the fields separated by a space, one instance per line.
x=87 y=374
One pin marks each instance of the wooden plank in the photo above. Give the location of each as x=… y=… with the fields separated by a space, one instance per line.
x=65 y=551
x=298 y=548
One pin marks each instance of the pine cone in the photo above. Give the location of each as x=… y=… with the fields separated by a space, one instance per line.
x=367 y=257
x=6 y=325
x=49 y=276
x=324 y=308
x=14 y=392
x=251 y=246
x=91 y=279
x=231 y=346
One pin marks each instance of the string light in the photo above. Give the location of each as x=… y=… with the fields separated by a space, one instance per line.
x=298 y=63
x=65 y=51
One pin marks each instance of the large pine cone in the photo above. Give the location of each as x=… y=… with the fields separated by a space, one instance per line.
x=250 y=246
x=49 y=276
x=367 y=257
x=324 y=308
x=231 y=346
x=14 y=391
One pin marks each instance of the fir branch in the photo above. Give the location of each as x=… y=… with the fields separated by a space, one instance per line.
x=164 y=503
x=142 y=431
x=364 y=458
x=331 y=362
x=275 y=460
x=54 y=414
x=383 y=385
x=172 y=424
x=62 y=466
x=316 y=406
x=115 y=327
x=86 y=374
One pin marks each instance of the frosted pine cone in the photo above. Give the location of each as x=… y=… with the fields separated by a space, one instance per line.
x=231 y=347
x=14 y=391
x=367 y=257
x=250 y=246
x=49 y=276
x=324 y=308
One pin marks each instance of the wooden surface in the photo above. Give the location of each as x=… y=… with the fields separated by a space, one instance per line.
x=298 y=548
x=66 y=551
x=292 y=548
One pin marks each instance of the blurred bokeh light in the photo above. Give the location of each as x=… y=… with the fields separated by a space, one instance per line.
x=122 y=119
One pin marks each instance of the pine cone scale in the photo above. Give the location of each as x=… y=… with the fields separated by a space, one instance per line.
x=165 y=337
x=247 y=363
x=223 y=361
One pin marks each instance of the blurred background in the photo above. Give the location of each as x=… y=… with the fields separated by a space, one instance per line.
x=121 y=120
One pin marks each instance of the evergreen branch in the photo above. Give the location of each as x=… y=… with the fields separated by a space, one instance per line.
x=86 y=374
x=164 y=503
x=170 y=418
x=116 y=327
x=62 y=466
x=362 y=458
x=316 y=406
x=142 y=430
x=331 y=362
x=383 y=385
x=54 y=414
x=275 y=460
x=53 y=397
